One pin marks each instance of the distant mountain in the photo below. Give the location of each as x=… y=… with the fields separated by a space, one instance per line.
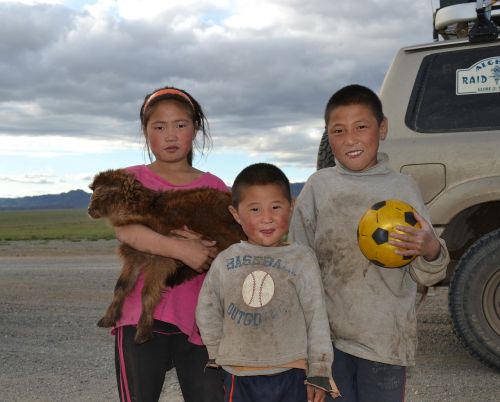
x=296 y=188
x=71 y=199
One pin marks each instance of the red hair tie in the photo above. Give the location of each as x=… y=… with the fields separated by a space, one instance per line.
x=168 y=91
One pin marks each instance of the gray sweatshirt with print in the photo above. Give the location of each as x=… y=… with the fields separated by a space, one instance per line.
x=264 y=306
x=371 y=309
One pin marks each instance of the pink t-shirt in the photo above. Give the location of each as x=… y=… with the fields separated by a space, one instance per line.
x=177 y=305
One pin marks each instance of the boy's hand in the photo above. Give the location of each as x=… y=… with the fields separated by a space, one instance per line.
x=315 y=394
x=414 y=241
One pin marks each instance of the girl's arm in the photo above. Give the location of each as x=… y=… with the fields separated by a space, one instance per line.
x=190 y=248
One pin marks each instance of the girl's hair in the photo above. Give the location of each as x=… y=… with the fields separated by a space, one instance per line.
x=355 y=95
x=185 y=100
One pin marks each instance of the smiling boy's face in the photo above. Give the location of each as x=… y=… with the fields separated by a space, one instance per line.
x=354 y=135
x=264 y=213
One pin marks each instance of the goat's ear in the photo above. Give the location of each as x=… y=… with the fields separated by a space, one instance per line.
x=128 y=181
x=121 y=174
x=126 y=187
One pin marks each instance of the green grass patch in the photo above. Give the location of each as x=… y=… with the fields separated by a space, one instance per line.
x=52 y=224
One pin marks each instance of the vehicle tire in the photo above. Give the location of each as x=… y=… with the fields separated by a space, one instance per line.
x=325 y=155
x=474 y=299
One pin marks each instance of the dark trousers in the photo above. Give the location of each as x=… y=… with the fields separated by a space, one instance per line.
x=141 y=369
x=283 y=387
x=361 y=380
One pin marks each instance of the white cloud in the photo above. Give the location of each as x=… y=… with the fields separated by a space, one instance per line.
x=31 y=179
x=263 y=69
x=52 y=146
x=33 y=2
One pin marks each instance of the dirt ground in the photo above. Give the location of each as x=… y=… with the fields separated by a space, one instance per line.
x=52 y=294
x=56 y=248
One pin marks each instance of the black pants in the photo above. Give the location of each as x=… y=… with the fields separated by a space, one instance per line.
x=361 y=380
x=287 y=386
x=141 y=369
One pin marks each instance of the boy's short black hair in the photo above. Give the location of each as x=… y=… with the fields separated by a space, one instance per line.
x=259 y=174
x=355 y=95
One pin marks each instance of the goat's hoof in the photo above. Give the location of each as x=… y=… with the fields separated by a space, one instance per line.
x=106 y=322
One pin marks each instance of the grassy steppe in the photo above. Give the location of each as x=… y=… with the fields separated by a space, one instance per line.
x=53 y=224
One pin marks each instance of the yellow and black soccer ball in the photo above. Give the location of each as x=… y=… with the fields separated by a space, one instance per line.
x=374 y=230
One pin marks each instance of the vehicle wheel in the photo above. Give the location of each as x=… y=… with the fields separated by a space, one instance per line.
x=325 y=155
x=474 y=299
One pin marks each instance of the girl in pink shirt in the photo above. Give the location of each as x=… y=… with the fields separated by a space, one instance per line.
x=171 y=119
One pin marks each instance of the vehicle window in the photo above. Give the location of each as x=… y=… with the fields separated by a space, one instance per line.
x=439 y=102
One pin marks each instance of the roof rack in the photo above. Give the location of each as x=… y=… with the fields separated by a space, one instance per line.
x=476 y=19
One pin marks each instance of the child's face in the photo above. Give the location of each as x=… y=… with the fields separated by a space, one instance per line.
x=264 y=214
x=170 y=132
x=354 y=135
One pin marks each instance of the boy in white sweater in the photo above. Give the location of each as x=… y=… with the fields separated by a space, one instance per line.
x=261 y=310
x=371 y=309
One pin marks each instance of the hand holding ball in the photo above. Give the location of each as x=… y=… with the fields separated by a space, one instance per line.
x=374 y=230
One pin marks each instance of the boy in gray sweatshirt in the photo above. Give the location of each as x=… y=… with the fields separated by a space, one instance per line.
x=261 y=310
x=371 y=309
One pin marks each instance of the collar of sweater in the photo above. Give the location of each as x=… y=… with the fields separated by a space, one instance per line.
x=382 y=167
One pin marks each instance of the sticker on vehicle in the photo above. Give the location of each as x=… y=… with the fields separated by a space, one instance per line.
x=482 y=77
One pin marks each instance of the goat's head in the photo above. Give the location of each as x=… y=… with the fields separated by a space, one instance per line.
x=110 y=191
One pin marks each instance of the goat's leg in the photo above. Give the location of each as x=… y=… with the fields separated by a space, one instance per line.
x=154 y=279
x=123 y=287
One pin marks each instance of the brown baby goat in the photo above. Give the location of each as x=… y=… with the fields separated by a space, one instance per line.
x=120 y=198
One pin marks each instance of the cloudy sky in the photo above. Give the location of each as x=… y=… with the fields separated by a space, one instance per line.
x=73 y=74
